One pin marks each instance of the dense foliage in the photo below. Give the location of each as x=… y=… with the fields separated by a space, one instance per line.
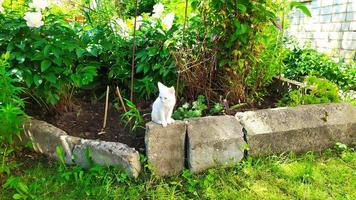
x=300 y=62
x=11 y=105
x=316 y=91
x=52 y=59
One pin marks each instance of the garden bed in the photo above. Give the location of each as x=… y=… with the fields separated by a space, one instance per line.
x=85 y=120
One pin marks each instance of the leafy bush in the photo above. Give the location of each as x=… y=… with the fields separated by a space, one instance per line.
x=316 y=91
x=230 y=49
x=300 y=62
x=51 y=60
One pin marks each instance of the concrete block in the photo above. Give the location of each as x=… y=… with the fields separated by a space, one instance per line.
x=351 y=16
x=339 y=8
x=348 y=44
x=320 y=35
x=345 y=26
x=299 y=129
x=326 y=10
x=46 y=138
x=214 y=140
x=338 y=1
x=353 y=26
x=339 y=17
x=326 y=2
x=323 y=43
x=351 y=7
x=165 y=147
x=335 y=35
x=328 y=27
x=107 y=154
x=325 y=19
x=349 y=36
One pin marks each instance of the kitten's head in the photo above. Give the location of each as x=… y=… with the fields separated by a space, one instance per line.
x=166 y=94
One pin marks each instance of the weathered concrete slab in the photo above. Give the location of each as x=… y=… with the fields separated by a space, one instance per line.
x=214 y=140
x=299 y=129
x=107 y=154
x=165 y=147
x=46 y=137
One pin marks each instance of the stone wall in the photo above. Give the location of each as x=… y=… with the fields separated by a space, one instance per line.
x=331 y=29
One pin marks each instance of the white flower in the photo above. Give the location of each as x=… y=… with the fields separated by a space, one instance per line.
x=33 y=19
x=1 y=8
x=168 y=20
x=120 y=27
x=158 y=10
x=93 y=5
x=39 y=4
x=138 y=22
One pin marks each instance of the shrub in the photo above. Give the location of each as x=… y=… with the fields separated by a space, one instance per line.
x=317 y=91
x=300 y=62
x=51 y=59
x=153 y=61
x=230 y=49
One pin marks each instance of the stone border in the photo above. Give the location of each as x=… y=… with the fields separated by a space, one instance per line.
x=46 y=138
x=222 y=140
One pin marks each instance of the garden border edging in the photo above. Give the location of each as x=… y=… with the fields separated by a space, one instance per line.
x=267 y=132
x=45 y=138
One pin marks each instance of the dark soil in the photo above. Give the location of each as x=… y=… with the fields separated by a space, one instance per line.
x=86 y=120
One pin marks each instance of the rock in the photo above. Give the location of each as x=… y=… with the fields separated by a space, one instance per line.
x=299 y=129
x=214 y=140
x=165 y=147
x=46 y=138
x=107 y=154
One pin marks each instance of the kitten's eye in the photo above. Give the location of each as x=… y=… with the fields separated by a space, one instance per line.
x=165 y=97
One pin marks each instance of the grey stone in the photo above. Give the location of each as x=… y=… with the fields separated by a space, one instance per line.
x=107 y=154
x=299 y=129
x=165 y=147
x=46 y=138
x=214 y=140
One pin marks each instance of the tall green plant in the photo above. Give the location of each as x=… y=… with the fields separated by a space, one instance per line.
x=11 y=105
x=51 y=59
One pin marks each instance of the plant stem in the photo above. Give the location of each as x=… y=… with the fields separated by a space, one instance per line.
x=133 y=53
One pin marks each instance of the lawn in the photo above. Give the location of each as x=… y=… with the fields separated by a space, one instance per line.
x=327 y=175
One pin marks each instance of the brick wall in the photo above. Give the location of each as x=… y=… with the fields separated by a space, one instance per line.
x=331 y=29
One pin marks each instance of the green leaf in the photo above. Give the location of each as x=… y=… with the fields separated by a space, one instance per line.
x=37 y=80
x=300 y=6
x=47 y=49
x=79 y=52
x=45 y=64
x=51 y=78
x=17 y=196
x=241 y=7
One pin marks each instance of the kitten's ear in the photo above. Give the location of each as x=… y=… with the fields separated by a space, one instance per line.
x=161 y=86
x=171 y=90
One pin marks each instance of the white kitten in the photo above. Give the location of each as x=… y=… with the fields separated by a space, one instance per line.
x=162 y=108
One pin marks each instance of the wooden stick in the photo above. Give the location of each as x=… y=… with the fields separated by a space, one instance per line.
x=120 y=98
x=106 y=110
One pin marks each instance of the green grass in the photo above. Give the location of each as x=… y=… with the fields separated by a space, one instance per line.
x=329 y=175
